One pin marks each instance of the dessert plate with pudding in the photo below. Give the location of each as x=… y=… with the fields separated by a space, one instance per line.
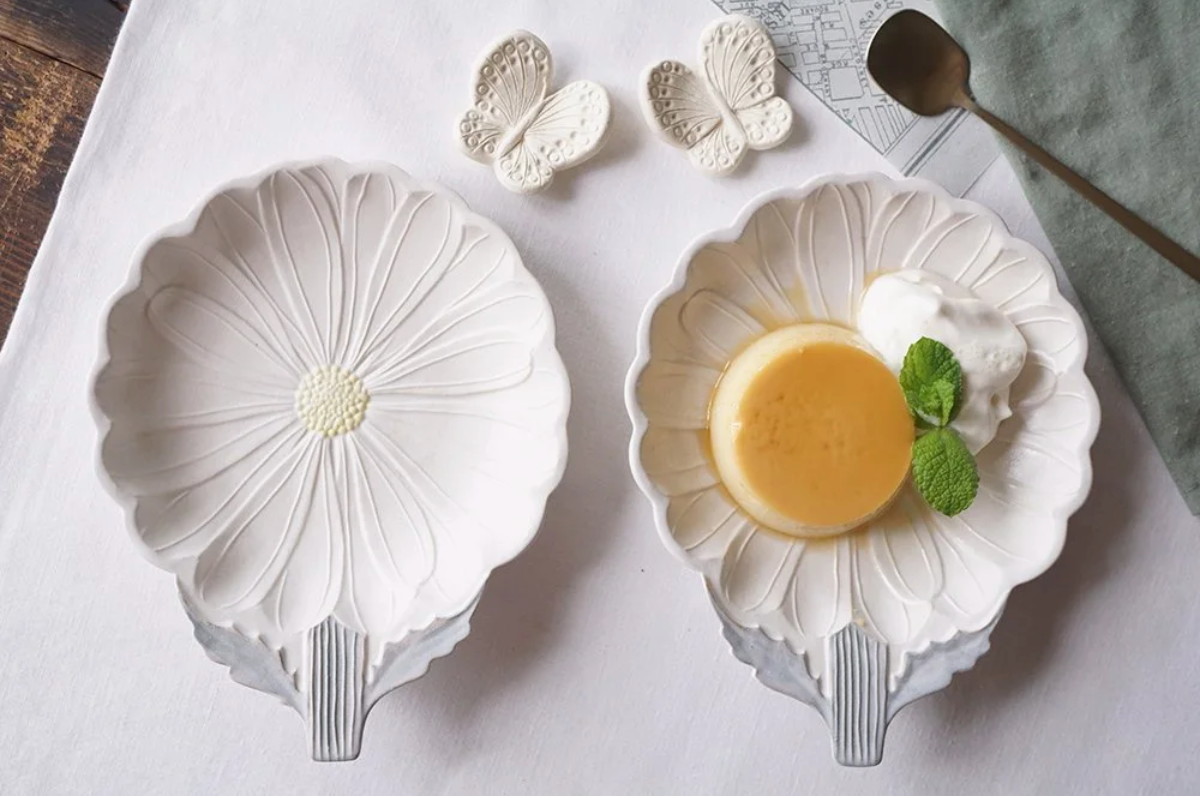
x=860 y=508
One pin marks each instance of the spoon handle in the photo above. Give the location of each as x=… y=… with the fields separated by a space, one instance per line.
x=1164 y=246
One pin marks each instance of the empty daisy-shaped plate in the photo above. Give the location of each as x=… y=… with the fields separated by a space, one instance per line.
x=331 y=404
x=858 y=619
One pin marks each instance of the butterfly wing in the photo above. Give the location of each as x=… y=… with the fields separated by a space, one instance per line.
x=677 y=105
x=739 y=63
x=719 y=152
x=572 y=125
x=767 y=124
x=512 y=78
x=569 y=129
x=523 y=170
x=681 y=111
x=479 y=133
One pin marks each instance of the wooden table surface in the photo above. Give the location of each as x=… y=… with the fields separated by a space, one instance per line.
x=52 y=57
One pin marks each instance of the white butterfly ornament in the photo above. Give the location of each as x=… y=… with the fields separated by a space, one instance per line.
x=728 y=108
x=516 y=125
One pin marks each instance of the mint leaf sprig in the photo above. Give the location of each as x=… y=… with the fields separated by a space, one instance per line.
x=943 y=467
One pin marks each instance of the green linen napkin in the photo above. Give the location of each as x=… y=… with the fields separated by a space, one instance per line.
x=1111 y=88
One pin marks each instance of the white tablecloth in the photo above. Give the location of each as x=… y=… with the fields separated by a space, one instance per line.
x=596 y=663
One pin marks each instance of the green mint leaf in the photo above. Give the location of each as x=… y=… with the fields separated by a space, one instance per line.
x=932 y=382
x=947 y=394
x=944 y=471
x=936 y=403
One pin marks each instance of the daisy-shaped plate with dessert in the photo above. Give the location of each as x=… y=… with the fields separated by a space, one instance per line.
x=861 y=414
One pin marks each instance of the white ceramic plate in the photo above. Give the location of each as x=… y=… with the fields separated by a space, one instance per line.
x=912 y=578
x=331 y=404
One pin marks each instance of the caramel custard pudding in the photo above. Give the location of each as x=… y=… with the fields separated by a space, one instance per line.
x=810 y=432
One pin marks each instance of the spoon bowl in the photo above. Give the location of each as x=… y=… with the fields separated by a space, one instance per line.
x=917 y=62
x=922 y=67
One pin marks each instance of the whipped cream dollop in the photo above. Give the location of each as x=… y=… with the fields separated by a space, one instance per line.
x=899 y=308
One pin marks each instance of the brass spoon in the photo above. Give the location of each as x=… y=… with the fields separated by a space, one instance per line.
x=917 y=62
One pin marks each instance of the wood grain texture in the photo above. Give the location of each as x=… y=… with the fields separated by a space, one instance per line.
x=79 y=33
x=43 y=106
x=52 y=54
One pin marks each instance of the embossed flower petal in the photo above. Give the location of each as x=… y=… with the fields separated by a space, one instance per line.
x=486 y=420
x=1012 y=282
x=245 y=562
x=677 y=460
x=300 y=222
x=167 y=460
x=477 y=437
x=705 y=523
x=758 y=569
x=484 y=445
x=477 y=368
x=523 y=406
x=218 y=272
x=820 y=599
x=1021 y=550
x=774 y=280
x=217 y=340
x=368 y=600
x=1028 y=470
x=830 y=258
x=1043 y=438
x=1011 y=535
x=676 y=395
x=397 y=544
x=1036 y=383
x=308 y=580
x=732 y=271
x=903 y=551
x=420 y=244
x=407 y=433
x=147 y=397
x=869 y=198
x=1050 y=405
x=368 y=212
x=900 y=223
x=484 y=334
x=961 y=246
x=717 y=325
x=975 y=586
x=880 y=608
x=389 y=550
x=231 y=235
x=1050 y=332
x=181 y=523
x=673 y=344
x=740 y=272
x=455 y=527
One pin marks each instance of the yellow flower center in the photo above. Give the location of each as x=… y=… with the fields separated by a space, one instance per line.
x=331 y=401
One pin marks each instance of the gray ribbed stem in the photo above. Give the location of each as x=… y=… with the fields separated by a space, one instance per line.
x=336 y=709
x=858 y=717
